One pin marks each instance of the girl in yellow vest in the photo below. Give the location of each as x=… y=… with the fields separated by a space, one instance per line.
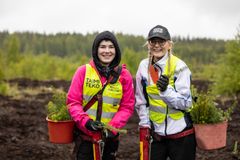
x=112 y=87
x=163 y=99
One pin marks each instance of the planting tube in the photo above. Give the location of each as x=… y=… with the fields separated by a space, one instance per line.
x=98 y=146
x=145 y=143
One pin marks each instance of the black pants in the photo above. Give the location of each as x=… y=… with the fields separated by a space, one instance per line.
x=176 y=149
x=85 y=150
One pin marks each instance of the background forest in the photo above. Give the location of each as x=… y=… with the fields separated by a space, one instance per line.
x=57 y=56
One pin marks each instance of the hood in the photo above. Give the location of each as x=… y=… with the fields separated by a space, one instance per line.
x=106 y=35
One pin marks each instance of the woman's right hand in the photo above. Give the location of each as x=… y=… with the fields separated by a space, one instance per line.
x=94 y=125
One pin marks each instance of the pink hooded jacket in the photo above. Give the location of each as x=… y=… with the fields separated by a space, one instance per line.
x=75 y=99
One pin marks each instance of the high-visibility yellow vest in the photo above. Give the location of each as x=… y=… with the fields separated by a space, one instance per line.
x=158 y=109
x=111 y=95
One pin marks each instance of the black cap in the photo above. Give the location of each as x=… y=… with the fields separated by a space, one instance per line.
x=159 y=32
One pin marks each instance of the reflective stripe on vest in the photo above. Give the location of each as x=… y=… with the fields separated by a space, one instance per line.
x=112 y=95
x=158 y=108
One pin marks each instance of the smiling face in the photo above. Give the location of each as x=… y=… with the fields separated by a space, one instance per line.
x=106 y=52
x=158 y=47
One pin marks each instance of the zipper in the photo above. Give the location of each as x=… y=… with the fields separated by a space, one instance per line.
x=165 y=130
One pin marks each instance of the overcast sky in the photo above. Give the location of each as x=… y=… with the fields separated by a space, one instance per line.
x=218 y=19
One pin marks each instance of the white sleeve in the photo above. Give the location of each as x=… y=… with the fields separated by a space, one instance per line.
x=141 y=103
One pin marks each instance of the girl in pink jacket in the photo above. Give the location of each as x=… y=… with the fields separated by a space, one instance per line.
x=111 y=85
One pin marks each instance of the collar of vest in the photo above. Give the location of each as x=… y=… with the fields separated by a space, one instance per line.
x=114 y=75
